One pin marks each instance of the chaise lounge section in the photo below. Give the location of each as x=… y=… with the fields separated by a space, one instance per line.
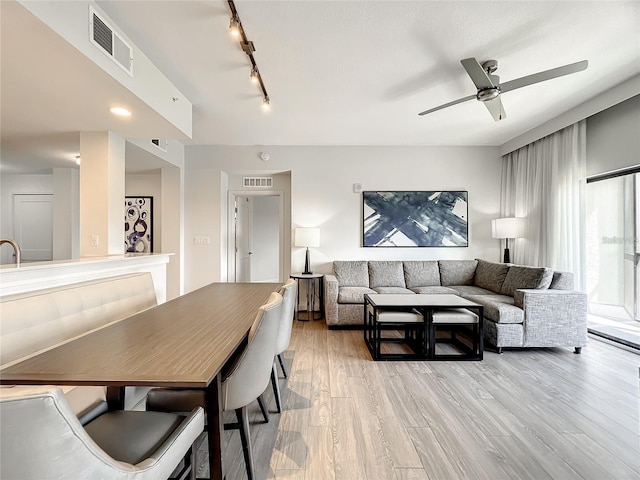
x=523 y=306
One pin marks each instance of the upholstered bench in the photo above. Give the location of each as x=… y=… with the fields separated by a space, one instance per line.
x=451 y=319
x=37 y=321
x=411 y=323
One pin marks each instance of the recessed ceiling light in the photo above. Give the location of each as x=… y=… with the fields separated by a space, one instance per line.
x=120 y=111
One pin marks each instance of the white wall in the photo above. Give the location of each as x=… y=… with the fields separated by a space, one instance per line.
x=66 y=213
x=613 y=138
x=322 y=195
x=202 y=217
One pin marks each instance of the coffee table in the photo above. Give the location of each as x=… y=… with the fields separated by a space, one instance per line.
x=424 y=340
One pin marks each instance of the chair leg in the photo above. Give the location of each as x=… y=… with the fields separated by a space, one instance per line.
x=243 y=421
x=263 y=408
x=282 y=366
x=194 y=462
x=276 y=386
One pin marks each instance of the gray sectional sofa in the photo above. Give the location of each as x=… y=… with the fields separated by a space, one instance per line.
x=523 y=306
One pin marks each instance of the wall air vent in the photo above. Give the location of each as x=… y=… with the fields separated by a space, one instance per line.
x=103 y=36
x=257 y=182
x=161 y=143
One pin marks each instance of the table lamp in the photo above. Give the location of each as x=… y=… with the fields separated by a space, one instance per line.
x=507 y=228
x=307 y=237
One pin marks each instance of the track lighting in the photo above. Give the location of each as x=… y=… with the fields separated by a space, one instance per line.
x=237 y=31
x=234 y=26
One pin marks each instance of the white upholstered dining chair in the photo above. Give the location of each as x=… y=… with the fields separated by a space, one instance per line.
x=288 y=292
x=41 y=439
x=245 y=381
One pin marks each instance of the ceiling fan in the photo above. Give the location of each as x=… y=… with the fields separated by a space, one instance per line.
x=490 y=88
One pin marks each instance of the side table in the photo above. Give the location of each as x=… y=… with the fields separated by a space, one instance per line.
x=314 y=290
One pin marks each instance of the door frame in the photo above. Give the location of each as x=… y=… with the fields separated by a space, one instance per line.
x=231 y=257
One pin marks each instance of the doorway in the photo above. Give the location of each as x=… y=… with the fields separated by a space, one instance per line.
x=612 y=257
x=255 y=241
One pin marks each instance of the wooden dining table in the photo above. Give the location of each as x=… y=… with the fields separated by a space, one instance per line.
x=182 y=343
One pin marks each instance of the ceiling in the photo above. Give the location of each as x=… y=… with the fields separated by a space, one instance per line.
x=337 y=72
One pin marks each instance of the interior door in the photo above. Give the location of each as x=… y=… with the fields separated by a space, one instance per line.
x=242 y=237
x=33 y=226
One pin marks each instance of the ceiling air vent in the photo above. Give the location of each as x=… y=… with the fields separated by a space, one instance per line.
x=103 y=36
x=259 y=182
x=161 y=143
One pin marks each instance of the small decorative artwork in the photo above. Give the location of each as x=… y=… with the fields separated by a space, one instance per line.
x=138 y=223
x=415 y=219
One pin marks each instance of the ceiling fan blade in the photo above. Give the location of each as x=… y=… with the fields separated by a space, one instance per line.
x=455 y=102
x=476 y=72
x=495 y=109
x=543 y=76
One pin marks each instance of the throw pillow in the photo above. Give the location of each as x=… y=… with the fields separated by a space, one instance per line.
x=351 y=273
x=526 y=277
x=457 y=272
x=490 y=275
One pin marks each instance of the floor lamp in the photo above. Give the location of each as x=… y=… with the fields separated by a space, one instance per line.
x=507 y=228
x=307 y=237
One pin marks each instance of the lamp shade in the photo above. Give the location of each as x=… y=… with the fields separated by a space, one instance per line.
x=507 y=227
x=307 y=237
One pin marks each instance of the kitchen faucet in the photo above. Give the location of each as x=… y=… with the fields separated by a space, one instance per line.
x=16 y=249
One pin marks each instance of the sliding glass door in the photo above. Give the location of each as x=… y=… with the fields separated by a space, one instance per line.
x=612 y=253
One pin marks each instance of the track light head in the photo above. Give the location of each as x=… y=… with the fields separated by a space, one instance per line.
x=266 y=104
x=254 y=75
x=234 y=26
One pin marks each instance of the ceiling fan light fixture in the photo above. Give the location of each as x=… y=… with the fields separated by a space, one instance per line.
x=486 y=94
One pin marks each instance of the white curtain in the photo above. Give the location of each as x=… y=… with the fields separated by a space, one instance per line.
x=544 y=182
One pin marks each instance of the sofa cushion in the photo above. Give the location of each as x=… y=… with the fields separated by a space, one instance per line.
x=419 y=273
x=526 y=277
x=562 y=281
x=351 y=273
x=499 y=308
x=466 y=290
x=434 y=289
x=386 y=274
x=392 y=290
x=353 y=294
x=490 y=275
x=457 y=272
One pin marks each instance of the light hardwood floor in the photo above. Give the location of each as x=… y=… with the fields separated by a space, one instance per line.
x=525 y=414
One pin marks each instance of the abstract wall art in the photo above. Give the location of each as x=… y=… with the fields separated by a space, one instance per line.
x=138 y=223
x=415 y=219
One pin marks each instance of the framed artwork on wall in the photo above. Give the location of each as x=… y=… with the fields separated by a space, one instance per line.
x=138 y=224
x=415 y=219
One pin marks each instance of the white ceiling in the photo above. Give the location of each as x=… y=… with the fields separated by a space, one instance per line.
x=349 y=72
